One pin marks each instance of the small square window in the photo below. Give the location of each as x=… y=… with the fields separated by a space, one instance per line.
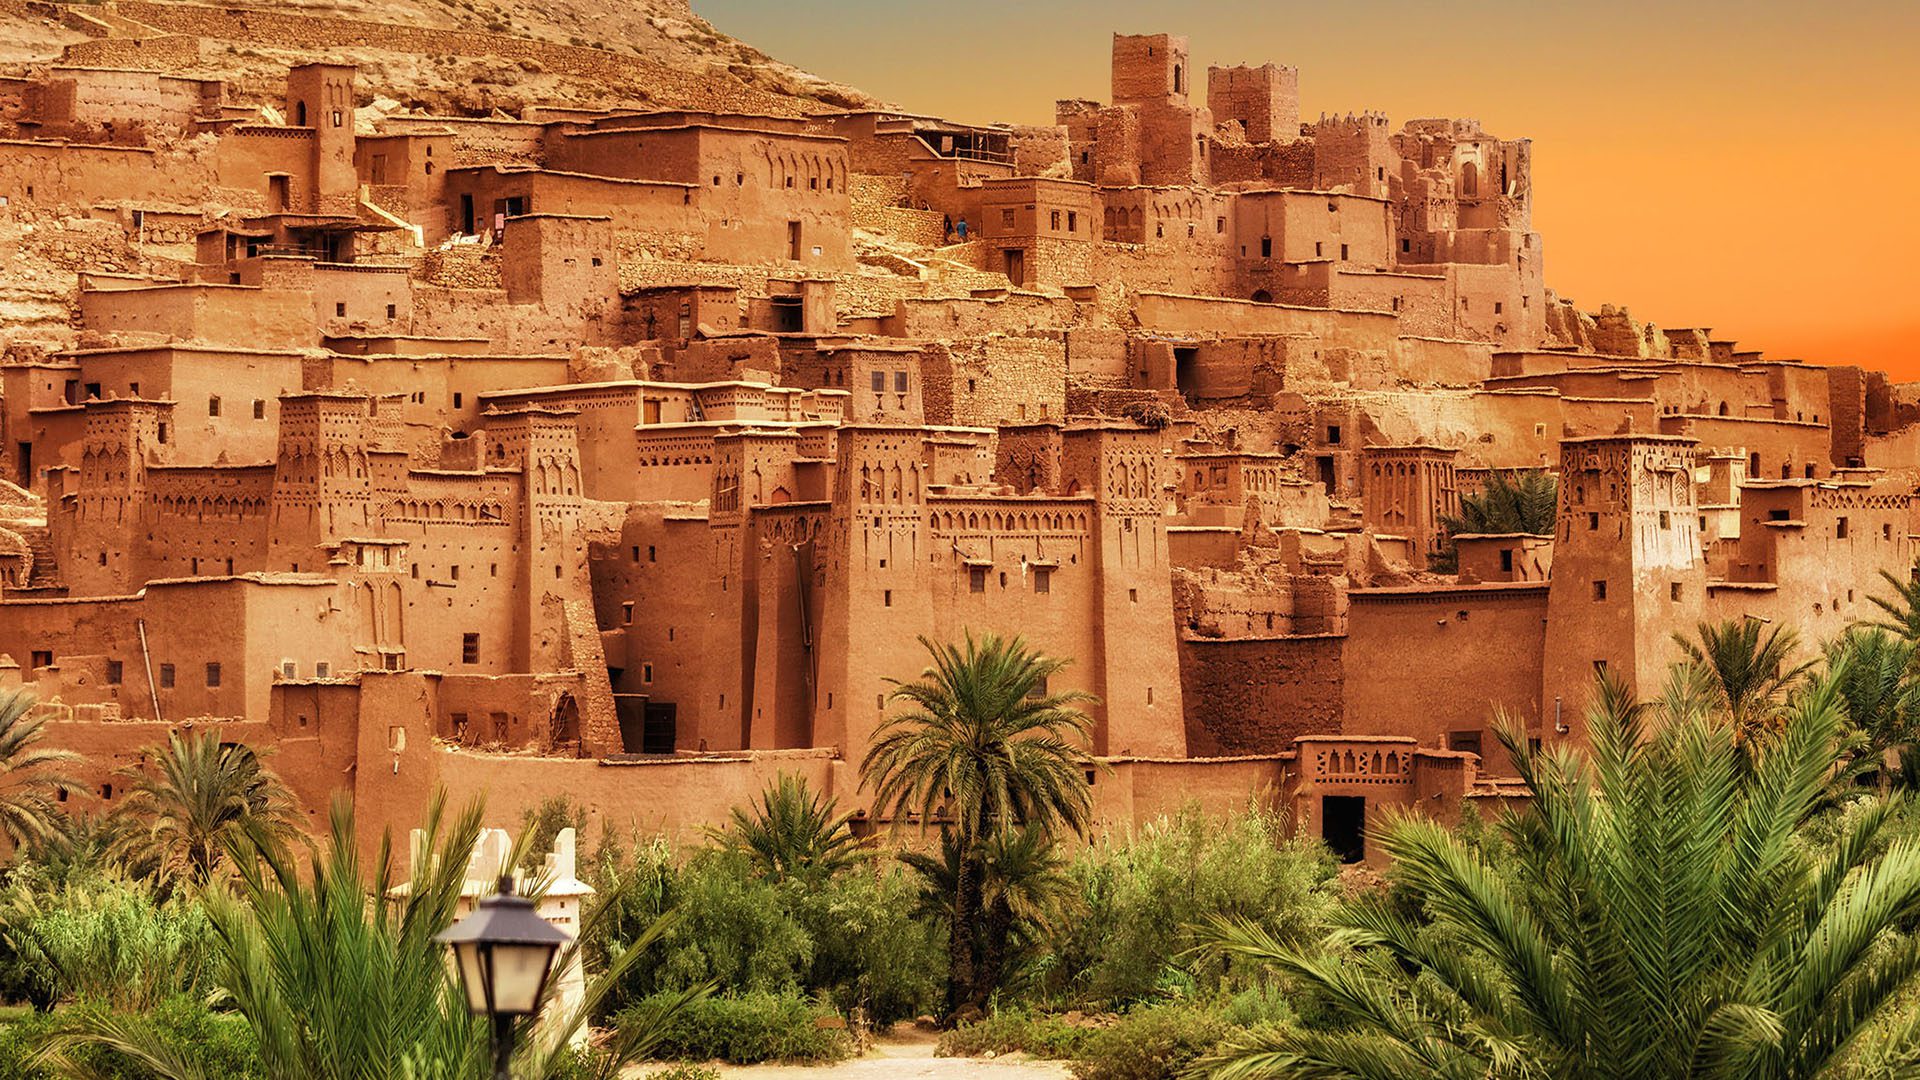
x=1600 y=590
x=259 y=409
x=977 y=579
x=1593 y=522
x=626 y=613
x=886 y=598
x=340 y=309
x=213 y=676
x=1043 y=579
x=1665 y=521
x=1840 y=529
x=1506 y=560
x=213 y=405
x=456 y=399
x=393 y=310
x=879 y=382
x=166 y=676
x=322 y=669
x=470 y=648
x=114 y=672
x=1673 y=591
x=899 y=382
x=646 y=675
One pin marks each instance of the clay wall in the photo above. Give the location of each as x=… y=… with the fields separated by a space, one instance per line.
x=245 y=626
x=1403 y=658
x=1256 y=695
x=752 y=186
x=1775 y=449
x=658 y=216
x=248 y=157
x=58 y=174
x=220 y=314
x=244 y=424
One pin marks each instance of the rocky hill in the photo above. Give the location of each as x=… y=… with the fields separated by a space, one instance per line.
x=602 y=52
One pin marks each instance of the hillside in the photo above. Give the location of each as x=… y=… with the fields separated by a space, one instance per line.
x=661 y=53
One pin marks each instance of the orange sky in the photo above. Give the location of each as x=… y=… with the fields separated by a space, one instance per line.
x=1753 y=167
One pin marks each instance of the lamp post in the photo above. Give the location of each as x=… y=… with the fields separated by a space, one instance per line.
x=503 y=951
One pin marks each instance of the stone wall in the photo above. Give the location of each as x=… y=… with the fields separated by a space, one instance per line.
x=462 y=266
x=167 y=52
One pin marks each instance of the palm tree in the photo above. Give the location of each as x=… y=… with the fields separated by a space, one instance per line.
x=1900 y=612
x=1653 y=916
x=179 y=818
x=793 y=831
x=1509 y=502
x=340 y=977
x=1023 y=892
x=1751 y=670
x=1879 y=694
x=984 y=739
x=30 y=797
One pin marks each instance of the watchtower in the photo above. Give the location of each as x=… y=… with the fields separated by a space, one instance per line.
x=1628 y=568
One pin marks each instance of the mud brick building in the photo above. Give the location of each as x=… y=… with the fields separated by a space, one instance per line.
x=626 y=452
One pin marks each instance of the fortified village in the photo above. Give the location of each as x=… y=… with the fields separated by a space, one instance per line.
x=625 y=452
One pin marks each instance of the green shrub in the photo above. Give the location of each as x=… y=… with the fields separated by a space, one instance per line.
x=220 y=1044
x=735 y=931
x=746 y=1029
x=854 y=937
x=685 y=1071
x=108 y=941
x=1141 y=896
x=1010 y=1030
x=1151 y=1044
x=871 y=950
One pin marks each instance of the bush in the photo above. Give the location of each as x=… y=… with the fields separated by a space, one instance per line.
x=1142 y=896
x=685 y=1071
x=1151 y=1044
x=220 y=1044
x=747 y=1029
x=871 y=951
x=854 y=937
x=735 y=932
x=107 y=941
x=1006 y=1031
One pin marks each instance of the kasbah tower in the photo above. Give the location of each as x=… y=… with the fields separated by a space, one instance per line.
x=627 y=451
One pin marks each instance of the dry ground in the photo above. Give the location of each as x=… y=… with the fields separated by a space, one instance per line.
x=907 y=1055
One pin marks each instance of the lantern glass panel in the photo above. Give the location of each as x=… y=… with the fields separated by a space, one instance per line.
x=519 y=974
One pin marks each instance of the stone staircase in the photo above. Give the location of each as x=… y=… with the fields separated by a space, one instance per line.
x=46 y=568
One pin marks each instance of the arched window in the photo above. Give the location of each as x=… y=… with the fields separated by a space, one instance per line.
x=1470 y=179
x=1262 y=296
x=1177 y=88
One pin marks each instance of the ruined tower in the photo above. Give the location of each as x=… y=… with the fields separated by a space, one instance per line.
x=1265 y=100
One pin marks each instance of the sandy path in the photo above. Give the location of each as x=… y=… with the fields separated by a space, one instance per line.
x=898 y=1057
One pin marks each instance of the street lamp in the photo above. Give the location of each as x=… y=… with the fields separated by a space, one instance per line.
x=503 y=952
